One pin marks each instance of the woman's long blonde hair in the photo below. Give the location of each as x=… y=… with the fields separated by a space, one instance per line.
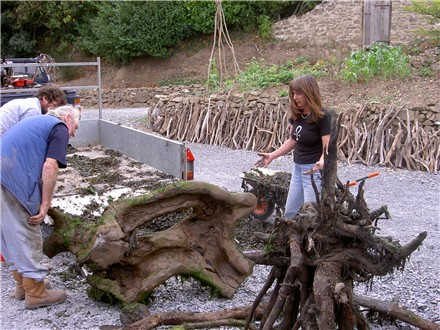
x=309 y=87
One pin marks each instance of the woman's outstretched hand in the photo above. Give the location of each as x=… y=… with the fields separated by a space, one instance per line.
x=266 y=159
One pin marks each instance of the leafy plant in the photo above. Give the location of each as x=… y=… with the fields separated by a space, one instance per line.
x=268 y=247
x=379 y=60
x=214 y=78
x=30 y=27
x=258 y=75
x=426 y=71
x=265 y=27
x=123 y=30
x=300 y=60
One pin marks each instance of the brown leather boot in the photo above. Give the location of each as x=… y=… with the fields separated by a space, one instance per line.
x=36 y=294
x=18 y=293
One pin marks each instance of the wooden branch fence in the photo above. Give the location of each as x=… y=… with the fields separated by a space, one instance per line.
x=372 y=134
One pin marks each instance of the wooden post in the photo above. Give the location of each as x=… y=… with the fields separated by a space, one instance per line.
x=376 y=22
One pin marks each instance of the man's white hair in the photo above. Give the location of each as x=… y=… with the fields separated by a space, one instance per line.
x=63 y=110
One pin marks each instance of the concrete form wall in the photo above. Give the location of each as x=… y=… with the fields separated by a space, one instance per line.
x=164 y=154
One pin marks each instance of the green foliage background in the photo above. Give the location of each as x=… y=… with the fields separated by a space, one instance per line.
x=32 y=27
x=379 y=60
x=121 y=30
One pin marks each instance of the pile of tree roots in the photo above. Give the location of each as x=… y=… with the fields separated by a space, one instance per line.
x=315 y=259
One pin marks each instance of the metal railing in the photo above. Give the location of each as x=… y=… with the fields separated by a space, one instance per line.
x=162 y=153
x=98 y=86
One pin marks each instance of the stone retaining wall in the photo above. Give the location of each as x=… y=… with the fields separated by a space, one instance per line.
x=336 y=25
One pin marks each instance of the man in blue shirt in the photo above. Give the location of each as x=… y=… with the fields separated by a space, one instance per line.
x=32 y=151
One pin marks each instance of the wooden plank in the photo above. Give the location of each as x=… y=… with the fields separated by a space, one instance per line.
x=376 y=21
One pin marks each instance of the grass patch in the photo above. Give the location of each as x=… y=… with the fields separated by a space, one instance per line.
x=430 y=8
x=259 y=75
x=379 y=60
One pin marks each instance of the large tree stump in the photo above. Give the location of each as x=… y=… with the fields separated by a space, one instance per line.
x=140 y=242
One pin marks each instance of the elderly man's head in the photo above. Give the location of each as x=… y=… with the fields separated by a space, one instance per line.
x=51 y=96
x=70 y=115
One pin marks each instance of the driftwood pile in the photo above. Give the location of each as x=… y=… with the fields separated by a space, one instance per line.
x=315 y=259
x=240 y=122
x=392 y=137
x=371 y=134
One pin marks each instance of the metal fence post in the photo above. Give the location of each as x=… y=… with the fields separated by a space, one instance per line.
x=98 y=60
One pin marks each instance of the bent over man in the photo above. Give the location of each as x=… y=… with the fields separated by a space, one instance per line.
x=11 y=113
x=32 y=151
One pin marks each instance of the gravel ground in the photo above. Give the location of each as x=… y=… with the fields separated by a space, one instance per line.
x=413 y=199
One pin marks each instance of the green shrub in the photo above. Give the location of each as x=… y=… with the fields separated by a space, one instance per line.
x=258 y=75
x=378 y=61
x=20 y=43
x=31 y=27
x=123 y=30
x=264 y=27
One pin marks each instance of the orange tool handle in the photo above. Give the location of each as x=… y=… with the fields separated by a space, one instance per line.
x=369 y=176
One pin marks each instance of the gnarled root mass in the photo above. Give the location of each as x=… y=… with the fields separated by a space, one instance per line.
x=325 y=248
x=315 y=259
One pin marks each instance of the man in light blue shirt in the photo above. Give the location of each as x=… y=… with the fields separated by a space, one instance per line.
x=48 y=96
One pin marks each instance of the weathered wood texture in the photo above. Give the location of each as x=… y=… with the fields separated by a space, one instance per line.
x=376 y=21
x=316 y=257
x=325 y=248
x=393 y=136
x=140 y=242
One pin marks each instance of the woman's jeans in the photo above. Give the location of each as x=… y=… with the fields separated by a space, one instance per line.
x=301 y=189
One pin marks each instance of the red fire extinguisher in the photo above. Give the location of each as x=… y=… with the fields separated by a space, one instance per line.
x=189 y=165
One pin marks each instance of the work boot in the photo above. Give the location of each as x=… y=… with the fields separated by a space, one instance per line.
x=18 y=293
x=36 y=294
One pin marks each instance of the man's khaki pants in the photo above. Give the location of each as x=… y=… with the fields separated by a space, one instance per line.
x=21 y=243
